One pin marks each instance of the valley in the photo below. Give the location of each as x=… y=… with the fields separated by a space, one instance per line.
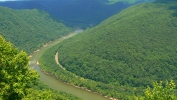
x=92 y=50
x=74 y=13
x=89 y=58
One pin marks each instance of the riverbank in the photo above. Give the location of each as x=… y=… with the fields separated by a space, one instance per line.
x=57 y=62
x=54 y=82
x=83 y=88
x=56 y=40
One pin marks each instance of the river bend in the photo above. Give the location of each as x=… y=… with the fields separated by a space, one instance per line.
x=53 y=82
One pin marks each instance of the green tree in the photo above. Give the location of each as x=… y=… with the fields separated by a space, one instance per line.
x=15 y=74
x=38 y=95
x=160 y=92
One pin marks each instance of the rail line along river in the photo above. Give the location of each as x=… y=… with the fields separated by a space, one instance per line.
x=53 y=82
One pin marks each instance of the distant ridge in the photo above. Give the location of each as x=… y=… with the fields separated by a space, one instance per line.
x=82 y=13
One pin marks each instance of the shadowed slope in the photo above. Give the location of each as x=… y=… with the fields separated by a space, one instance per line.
x=29 y=29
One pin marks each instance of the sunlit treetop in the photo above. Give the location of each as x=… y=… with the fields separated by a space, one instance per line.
x=15 y=75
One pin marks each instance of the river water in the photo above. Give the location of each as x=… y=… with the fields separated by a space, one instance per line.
x=56 y=84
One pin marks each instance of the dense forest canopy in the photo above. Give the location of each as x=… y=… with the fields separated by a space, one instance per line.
x=132 y=46
x=29 y=29
x=132 y=49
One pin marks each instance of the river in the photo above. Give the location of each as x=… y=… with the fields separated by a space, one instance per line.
x=56 y=84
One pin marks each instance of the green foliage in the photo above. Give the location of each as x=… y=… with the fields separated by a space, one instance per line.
x=123 y=54
x=48 y=64
x=38 y=95
x=160 y=92
x=29 y=29
x=18 y=81
x=49 y=93
x=15 y=75
x=136 y=52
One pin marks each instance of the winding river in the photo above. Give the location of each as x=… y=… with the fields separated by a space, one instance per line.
x=56 y=84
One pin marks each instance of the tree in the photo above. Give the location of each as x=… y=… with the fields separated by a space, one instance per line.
x=15 y=75
x=159 y=92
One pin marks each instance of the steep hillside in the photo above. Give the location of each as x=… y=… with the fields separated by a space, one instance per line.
x=125 y=52
x=29 y=29
x=135 y=46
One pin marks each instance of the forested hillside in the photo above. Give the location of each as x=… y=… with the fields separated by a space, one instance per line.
x=125 y=53
x=29 y=29
x=75 y=13
x=19 y=82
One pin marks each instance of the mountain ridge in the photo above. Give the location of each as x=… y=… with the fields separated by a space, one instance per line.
x=74 y=13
